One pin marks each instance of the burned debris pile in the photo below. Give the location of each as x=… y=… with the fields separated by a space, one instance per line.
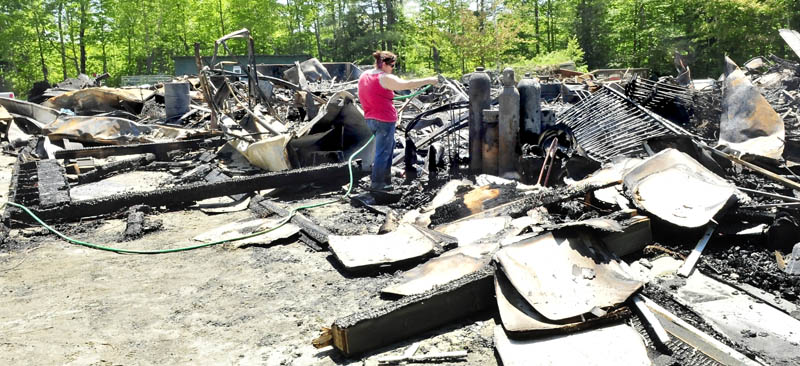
x=599 y=218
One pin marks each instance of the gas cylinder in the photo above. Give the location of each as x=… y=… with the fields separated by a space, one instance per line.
x=508 y=126
x=480 y=87
x=491 y=143
x=530 y=108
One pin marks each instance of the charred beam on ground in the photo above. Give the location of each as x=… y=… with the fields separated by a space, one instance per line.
x=112 y=168
x=315 y=232
x=158 y=148
x=52 y=183
x=329 y=174
x=411 y=315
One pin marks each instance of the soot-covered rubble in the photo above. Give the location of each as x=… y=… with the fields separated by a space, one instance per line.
x=600 y=218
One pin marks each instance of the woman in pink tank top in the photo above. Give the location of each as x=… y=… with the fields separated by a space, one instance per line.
x=375 y=92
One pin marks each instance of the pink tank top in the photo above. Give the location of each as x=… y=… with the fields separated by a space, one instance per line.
x=375 y=99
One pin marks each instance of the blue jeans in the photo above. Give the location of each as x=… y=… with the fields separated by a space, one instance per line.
x=384 y=147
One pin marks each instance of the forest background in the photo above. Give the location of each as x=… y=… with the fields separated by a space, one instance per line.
x=55 y=39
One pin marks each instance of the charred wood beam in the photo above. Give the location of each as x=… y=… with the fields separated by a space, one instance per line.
x=160 y=149
x=318 y=233
x=411 y=315
x=112 y=168
x=328 y=174
x=51 y=182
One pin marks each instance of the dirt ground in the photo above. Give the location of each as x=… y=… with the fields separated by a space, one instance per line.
x=62 y=304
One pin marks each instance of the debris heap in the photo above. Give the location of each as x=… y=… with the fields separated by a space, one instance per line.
x=601 y=218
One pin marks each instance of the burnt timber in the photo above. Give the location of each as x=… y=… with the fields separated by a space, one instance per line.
x=329 y=174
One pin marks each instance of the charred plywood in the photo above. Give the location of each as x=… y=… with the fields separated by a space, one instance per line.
x=360 y=252
x=521 y=319
x=676 y=188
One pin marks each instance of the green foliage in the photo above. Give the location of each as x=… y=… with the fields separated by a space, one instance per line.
x=45 y=39
x=551 y=60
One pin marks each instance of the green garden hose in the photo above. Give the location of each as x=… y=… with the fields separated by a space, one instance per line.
x=414 y=94
x=164 y=251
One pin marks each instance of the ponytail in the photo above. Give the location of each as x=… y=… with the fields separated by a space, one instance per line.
x=383 y=56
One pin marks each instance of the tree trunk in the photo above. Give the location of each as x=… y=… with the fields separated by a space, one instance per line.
x=550 y=32
x=316 y=35
x=105 y=57
x=436 y=65
x=82 y=35
x=72 y=37
x=536 y=25
x=481 y=28
x=61 y=40
x=390 y=20
x=39 y=43
x=380 y=24
x=221 y=22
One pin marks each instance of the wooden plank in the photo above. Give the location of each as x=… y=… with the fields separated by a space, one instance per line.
x=775 y=177
x=544 y=197
x=158 y=148
x=658 y=330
